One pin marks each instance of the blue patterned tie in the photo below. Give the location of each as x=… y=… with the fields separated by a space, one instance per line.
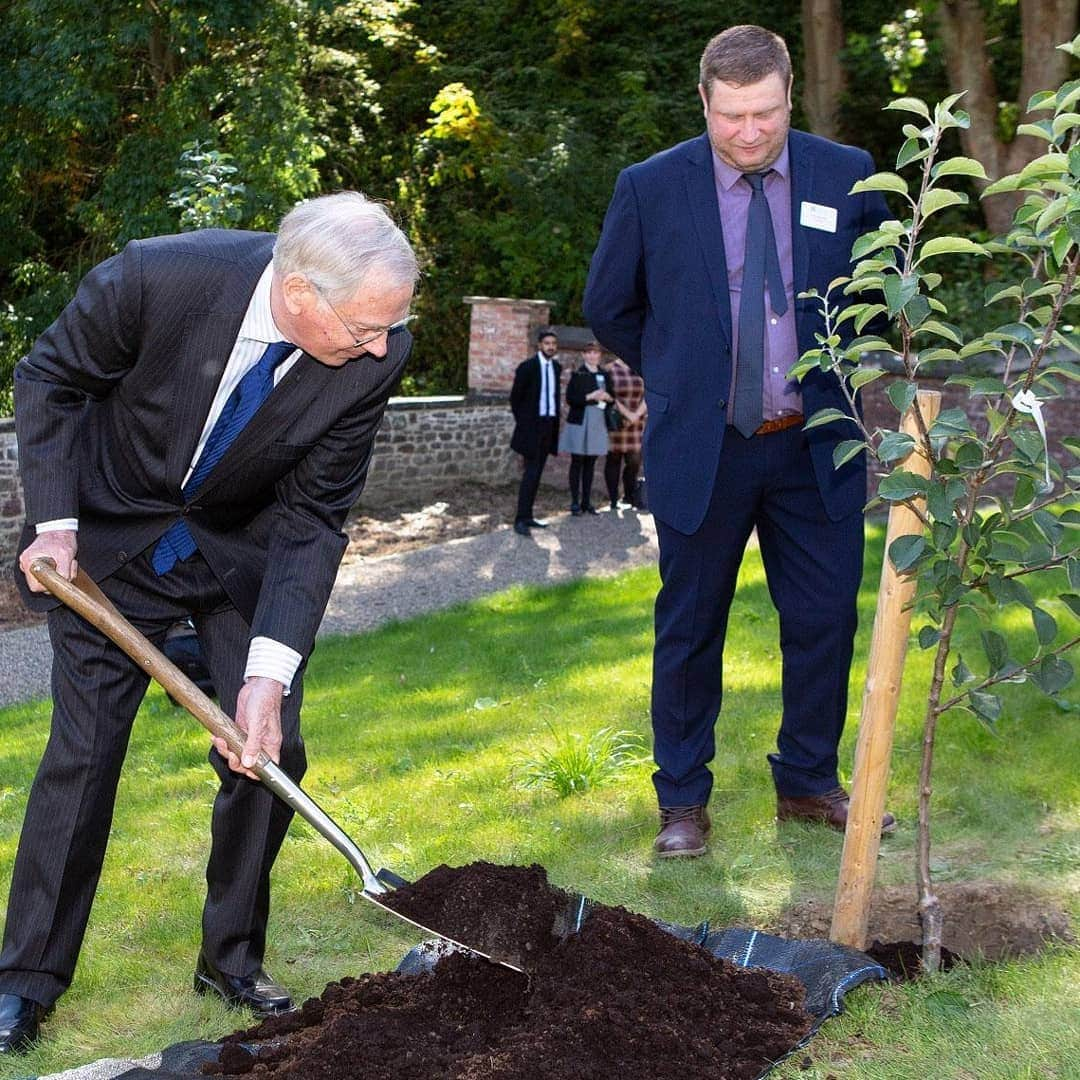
x=253 y=389
x=761 y=265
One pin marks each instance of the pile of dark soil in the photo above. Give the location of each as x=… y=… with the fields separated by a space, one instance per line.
x=508 y=912
x=621 y=998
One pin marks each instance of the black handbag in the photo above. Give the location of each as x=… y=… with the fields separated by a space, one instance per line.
x=613 y=419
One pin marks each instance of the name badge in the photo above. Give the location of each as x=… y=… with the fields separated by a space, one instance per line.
x=815 y=216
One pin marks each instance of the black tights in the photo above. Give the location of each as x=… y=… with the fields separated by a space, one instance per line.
x=629 y=464
x=581 y=474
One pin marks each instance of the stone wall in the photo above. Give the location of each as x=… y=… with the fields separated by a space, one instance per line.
x=12 y=508
x=423 y=441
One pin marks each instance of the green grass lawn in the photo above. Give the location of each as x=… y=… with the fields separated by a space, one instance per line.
x=415 y=736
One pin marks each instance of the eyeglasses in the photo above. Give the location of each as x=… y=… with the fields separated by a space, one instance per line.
x=369 y=333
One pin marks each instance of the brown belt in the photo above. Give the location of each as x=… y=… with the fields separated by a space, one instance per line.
x=770 y=427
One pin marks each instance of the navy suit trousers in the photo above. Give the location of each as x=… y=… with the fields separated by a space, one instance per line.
x=813 y=567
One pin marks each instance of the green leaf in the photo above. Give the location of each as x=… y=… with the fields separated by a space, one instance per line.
x=996 y=291
x=929 y=636
x=905 y=551
x=950 y=245
x=1061 y=243
x=942 y=329
x=1052 y=675
x=1007 y=591
x=987 y=706
x=938 y=198
x=1023 y=492
x=865 y=375
x=1044 y=99
x=1049 y=526
x=826 y=416
x=1064 y=122
x=1072 y=602
x=961 y=674
x=912 y=150
x=917 y=309
x=869 y=312
x=901 y=484
x=1006 y=183
x=1072 y=568
x=911 y=105
x=950 y=423
x=1042 y=129
x=882 y=181
x=895 y=445
x=844 y=451
x=1045 y=625
x=902 y=394
x=959 y=166
x=996 y=649
x=899 y=289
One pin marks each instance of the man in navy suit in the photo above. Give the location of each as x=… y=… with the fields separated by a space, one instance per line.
x=193 y=430
x=695 y=283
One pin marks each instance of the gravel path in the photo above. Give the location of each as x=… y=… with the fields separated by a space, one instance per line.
x=369 y=592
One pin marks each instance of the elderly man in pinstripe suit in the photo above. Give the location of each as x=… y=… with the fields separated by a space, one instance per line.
x=193 y=430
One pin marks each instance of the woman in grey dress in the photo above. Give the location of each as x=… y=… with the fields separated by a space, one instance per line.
x=584 y=435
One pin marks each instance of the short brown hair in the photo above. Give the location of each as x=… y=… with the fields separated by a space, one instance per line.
x=744 y=54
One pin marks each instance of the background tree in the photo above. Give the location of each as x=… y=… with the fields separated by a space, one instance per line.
x=967 y=28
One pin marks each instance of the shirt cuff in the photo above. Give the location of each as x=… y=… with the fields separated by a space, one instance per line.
x=58 y=525
x=269 y=659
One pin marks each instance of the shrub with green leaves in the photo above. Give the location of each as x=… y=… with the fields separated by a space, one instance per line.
x=577 y=764
x=997 y=510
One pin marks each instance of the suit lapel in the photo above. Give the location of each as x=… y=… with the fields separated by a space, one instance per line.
x=209 y=336
x=705 y=213
x=802 y=185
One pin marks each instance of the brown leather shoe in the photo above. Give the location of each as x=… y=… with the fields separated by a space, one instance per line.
x=682 y=831
x=830 y=809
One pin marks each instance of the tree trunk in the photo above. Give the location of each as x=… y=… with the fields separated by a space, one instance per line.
x=1044 y=25
x=823 y=74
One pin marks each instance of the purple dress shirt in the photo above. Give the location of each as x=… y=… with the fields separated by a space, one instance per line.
x=780 y=396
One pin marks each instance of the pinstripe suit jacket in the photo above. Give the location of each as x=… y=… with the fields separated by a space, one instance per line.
x=110 y=402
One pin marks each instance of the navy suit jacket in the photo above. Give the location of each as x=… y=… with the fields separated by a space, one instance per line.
x=110 y=402
x=657 y=296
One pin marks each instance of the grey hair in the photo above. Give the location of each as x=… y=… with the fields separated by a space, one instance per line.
x=337 y=241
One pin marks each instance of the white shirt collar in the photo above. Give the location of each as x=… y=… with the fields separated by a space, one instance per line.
x=258 y=324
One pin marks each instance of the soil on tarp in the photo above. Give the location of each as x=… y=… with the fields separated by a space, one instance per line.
x=621 y=997
x=508 y=912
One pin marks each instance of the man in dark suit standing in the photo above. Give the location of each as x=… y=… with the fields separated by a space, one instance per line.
x=695 y=284
x=534 y=400
x=193 y=430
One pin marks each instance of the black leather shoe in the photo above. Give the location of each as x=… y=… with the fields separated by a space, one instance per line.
x=20 y=1023
x=521 y=528
x=534 y=524
x=257 y=992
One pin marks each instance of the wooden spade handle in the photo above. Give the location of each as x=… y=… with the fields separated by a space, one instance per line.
x=83 y=595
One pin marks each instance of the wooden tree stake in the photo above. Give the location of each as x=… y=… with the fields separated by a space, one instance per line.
x=884 y=674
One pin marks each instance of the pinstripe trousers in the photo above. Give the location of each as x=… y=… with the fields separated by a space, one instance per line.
x=96 y=691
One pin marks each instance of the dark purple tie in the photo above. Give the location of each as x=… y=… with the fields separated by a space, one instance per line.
x=761 y=265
